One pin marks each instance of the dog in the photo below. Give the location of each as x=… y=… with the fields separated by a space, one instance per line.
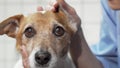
x=46 y=35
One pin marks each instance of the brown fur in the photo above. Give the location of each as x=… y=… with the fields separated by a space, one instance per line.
x=43 y=25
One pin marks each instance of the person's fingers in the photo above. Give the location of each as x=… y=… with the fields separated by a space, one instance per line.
x=63 y=4
x=55 y=7
x=70 y=11
x=66 y=7
x=39 y=8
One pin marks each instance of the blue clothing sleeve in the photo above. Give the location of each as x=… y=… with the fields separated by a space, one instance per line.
x=106 y=49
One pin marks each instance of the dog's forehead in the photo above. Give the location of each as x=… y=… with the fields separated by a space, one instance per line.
x=38 y=17
x=46 y=16
x=48 y=19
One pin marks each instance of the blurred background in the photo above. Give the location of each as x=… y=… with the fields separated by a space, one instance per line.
x=88 y=10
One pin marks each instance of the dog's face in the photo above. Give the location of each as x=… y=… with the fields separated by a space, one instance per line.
x=47 y=36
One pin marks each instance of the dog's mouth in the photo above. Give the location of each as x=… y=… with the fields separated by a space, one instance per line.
x=43 y=66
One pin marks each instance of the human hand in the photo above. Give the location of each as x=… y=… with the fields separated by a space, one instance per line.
x=70 y=11
x=73 y=18
x=79 y=49
x=114 y=4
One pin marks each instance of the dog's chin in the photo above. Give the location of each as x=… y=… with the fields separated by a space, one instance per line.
x=36 y=65
x=42 y=66
x=48 y=65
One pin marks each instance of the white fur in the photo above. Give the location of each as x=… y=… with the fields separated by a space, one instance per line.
x=27 y=14
x=66 y=63
x=54 y=63
x=43 y=12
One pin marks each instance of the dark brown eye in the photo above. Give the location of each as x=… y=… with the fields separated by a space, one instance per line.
x=29 y=32
x=58 y=31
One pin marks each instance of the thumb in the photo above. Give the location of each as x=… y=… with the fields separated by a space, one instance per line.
x=70 y=10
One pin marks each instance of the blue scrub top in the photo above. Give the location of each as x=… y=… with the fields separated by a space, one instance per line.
x=107 y=50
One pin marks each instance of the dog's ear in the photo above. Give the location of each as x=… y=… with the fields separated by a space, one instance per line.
x=10 y=25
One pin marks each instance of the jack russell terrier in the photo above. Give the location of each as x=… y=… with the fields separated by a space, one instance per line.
x=46 y=35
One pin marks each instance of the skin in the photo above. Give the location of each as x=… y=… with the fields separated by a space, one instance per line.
x=79 y=48
x=80 y=44
x=114 y=4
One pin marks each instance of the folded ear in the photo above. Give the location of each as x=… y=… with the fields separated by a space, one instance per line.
x=10 y=25
x=73 y=18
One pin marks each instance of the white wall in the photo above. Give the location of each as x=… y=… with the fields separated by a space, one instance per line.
x=88 y=10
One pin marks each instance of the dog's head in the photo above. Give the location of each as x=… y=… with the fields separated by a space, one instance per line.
x=47 y=35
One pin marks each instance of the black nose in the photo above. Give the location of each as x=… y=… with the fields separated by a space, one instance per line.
x=42 y=58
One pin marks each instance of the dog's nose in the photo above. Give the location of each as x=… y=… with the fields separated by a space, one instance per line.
x=42 y=58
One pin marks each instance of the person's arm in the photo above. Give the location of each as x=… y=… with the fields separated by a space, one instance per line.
x=79 y=50
x=81 y=54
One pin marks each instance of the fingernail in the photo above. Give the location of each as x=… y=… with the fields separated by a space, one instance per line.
x=39 y=8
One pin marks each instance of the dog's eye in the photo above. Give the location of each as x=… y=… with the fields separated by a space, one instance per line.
x=29 y=32
x=58 y=31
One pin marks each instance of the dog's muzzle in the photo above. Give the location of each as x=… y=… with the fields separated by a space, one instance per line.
x=42 y=58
